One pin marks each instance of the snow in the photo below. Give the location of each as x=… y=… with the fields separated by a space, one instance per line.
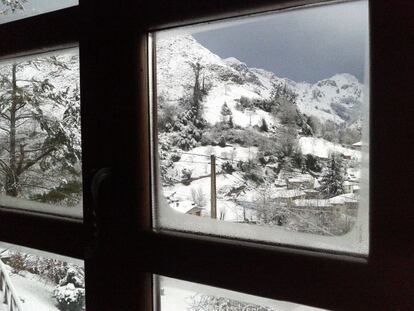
x=343 y=198
x=354 y=242
x=230 y=79
x=312 y=203
x=286 y=194
x=176 y=295
x=34 y=292
x=183 y=206
x=323 y=148
x=43 y=208
x=231 y=211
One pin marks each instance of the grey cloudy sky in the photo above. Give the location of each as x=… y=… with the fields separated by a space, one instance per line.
x=303 y=45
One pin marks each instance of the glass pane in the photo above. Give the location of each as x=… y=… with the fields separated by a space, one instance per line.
x=11 y=10
x=177 y=295
x=36 y=280
x=262 y=127
x=40 y=140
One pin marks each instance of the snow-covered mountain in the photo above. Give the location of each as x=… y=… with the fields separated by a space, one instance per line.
x=338 y=98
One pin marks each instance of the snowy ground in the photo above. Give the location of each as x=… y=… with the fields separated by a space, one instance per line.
x=177 y=294
x=35 y=293
x=323 y=148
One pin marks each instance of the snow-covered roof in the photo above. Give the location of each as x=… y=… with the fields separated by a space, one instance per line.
x=311 y=191
x=300 y=179
x=183 y=206
x=350 y=183
x=288 y=193
x=312 y=203
x=280 y=182
x=343 y=198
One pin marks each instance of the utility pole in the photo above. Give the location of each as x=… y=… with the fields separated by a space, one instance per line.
x=213 y=187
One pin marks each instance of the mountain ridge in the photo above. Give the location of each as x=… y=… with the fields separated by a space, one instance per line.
x=337 y=98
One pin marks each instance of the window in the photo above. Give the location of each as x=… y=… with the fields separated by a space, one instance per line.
x=244 y=150
x=176 y=295
x=36 y=280
x=11 y=10
x=40 y=134
x=115 y=237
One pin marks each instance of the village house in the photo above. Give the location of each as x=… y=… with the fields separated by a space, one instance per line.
x=312 y=204
x=288 y=196
x=187 y=207
x=311 y=193
x=184 y=207
x=344 y=203
x=349 y=186
x=300 y=182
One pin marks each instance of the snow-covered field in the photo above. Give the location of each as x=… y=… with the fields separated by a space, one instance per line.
x=35 y=293
x=323 y=148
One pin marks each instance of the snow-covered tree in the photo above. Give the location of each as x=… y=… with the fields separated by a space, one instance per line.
x=225 y=112
x=11 y=6
x=268 y=211
x=39 y=125
x=200 y=302
x=333 y=179
x=198 y=90
x=264 y=127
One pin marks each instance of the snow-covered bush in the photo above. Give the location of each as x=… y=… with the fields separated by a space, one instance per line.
x=17 y=262
x=70 y=298
x=186 y=175
x=200 y=302
x=227 y=167
x=198 y=197
x=70 y=293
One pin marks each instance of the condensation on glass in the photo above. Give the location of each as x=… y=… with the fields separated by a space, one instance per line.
x=176 y=295
x=40 y=139
x=11 y=10
x=260 y=127
x=35 y=280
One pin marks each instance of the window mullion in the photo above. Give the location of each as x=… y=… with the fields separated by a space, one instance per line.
x=49 y=233
x=34 y=34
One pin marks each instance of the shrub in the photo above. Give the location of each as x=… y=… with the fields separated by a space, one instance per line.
x=186 y=176
x=264 y=127
x=70 y=293
x=198 y=197
x=312 y=163
x=227 y=167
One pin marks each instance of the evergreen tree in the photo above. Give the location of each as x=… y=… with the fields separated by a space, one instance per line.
x=225 y=112
x=333 y=179
x=198 y=91
x=231 y=123
x=264 y=127
x=39 y=124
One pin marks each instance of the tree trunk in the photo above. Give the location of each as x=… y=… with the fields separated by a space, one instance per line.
x=12 y=178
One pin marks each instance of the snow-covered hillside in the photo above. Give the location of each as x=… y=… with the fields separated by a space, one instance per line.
x=281 y=148
x=338 y=98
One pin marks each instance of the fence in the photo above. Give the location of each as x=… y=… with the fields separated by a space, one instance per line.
x=10 y=297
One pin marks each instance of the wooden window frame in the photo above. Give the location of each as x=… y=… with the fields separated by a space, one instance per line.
x=115 y=238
